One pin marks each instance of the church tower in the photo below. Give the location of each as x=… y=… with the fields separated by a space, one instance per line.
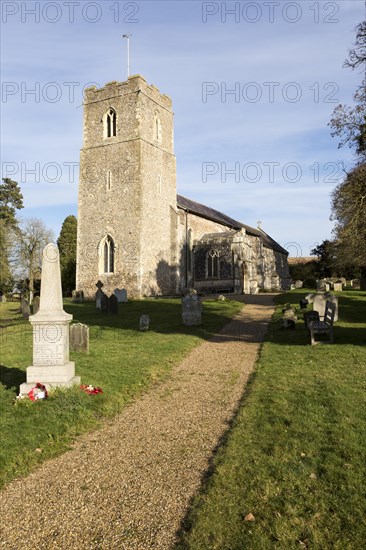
x=127 y=217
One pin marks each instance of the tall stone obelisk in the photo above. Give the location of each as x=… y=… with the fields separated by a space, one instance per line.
x=51 y=365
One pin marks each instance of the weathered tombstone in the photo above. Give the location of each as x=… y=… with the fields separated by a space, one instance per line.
x=104 y=303
x=3 y=298
x=121 y=295
x=320 y=300
x=320 y=285
x=25 y=308
x=36 y=302
x=79 y=337
x=191 y=310
x=326 y=287
x=221 y=298
x=78 y=296
x=292 y=287
x=338 y=286
x=310 y=298
x=298 y=284
x=51 y=365
x=98 y=299
x=112 y=305
x=144 y=322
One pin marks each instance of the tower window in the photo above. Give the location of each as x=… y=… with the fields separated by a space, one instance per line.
x=157 y=128
x=212 y=264
x=110 y=123
x=109 y=180
x=107 y=255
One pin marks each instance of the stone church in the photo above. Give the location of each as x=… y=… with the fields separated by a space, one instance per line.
x=134 y=231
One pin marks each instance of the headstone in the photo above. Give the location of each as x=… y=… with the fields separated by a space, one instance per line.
x=299 y=284
x=191 y=310
x=104 y=303
x=289 y=313
x=320 y=285
x=326 y=287
x=310 y=298
x=121 y=295
x=36 y=302
x=25 y=308
x=292 y=287
x=78 y=296
x=98 y=299
x=3 y=298
x=112 y=305
x=338 y=286
x=79 y=337
x=221 y=298
x=144 y=322
x=51 y=365
x=320 y=300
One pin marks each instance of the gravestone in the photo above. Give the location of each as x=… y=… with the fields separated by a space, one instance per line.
x=310 y=298
x=144 y=322
x=25 y=308
x=104 y=303
x=191 y=310
x=79 y=337
x=338 y=286
x=3 y=299
x=121 y=295
x=51 y=365
x=112 y=305
x=36 y=302
x=298 y=284
x=320 y=286
x=78 y=296
x=320 y=300
x=327 y=287
x=98 y=299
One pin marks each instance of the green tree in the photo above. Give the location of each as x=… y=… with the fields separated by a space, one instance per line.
x=11 y=200
x=349 y=197
x=327 y=264
x=67 y=247
x=349 y=213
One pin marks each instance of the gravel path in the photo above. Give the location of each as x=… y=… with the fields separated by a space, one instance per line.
x=129 y=484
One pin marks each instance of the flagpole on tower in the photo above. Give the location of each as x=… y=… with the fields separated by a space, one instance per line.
x=128 y=52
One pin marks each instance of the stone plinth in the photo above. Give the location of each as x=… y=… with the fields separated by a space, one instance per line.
x=51 y=365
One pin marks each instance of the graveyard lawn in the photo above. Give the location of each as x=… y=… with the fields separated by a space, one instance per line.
x=123 y=361
x=291 y=472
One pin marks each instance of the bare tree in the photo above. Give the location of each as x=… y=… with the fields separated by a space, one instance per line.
x=32 y=238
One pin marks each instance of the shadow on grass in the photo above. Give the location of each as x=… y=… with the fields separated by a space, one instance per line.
x=11 y=377
x=188 y=520
x=165 y=318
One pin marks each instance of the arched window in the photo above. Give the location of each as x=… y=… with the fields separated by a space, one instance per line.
x=107 y=255
x=212 y=264
x=110 y=123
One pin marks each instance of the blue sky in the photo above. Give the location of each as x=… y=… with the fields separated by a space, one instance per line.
x=253 y=85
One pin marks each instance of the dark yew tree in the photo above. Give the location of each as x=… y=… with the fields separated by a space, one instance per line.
x=67 y=247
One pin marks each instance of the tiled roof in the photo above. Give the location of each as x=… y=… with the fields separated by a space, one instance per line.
x=216 y=216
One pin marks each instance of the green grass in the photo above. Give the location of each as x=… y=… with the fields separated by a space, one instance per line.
x=295 y=455
x=123 y=361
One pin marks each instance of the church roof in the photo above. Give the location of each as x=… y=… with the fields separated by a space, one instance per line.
x=216 y=216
